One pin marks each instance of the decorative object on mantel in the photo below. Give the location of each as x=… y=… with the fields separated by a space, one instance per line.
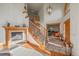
x=17 y=26
x=24 y=25
x=8 y=24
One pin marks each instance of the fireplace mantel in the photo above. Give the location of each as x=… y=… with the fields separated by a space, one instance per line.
x=8 y=29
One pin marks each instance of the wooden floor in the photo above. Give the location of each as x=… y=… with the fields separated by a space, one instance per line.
x=37 y=48
x=43 y=51
x=1 y=45
x=29 y=45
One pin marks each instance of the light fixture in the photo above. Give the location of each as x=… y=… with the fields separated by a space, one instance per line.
x=25 y=11
x=49 y=9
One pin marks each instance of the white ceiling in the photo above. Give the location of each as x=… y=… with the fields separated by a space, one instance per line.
x=38 y=6
x=57 y=10
x=35 y=6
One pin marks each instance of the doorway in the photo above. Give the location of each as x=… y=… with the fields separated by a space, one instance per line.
x=67 y=30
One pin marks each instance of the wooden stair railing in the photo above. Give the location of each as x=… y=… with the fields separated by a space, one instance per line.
x=34 y=19
x=33 y=27
x=39 y=33
x=45 y=31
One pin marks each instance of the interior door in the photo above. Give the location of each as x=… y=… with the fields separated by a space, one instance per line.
x=67 y=30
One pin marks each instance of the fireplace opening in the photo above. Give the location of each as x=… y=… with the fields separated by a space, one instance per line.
x=16 y=36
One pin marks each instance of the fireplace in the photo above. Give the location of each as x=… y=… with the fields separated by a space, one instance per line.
x=15 y=35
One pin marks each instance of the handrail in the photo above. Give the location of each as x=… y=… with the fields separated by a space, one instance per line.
x=39 y=27
x=43 y=27
x=46 y=31
x=39 y=31
x=34 y=25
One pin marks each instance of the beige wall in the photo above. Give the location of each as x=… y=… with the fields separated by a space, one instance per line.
x=55 y=17
x=11 y=12
x=74 y=28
